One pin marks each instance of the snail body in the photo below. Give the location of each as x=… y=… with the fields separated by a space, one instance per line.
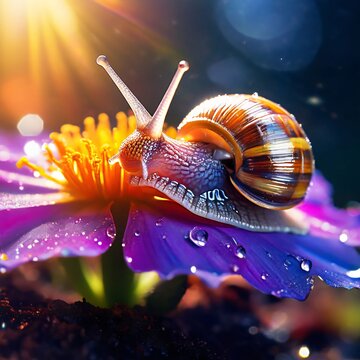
x=238 y=159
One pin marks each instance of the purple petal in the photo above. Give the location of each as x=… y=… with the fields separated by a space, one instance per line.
x=15 y=182
x=171 y=241
x=324 y=219
x=17 y=201
x=41 y=232
x=13 y=179
x=320 y=190
x=12 y=148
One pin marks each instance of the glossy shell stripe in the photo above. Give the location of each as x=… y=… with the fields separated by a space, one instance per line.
x=275 y=164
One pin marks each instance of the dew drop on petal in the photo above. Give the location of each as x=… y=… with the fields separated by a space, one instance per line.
x=240 y=252
x=198 y=236
x=159 y=222
x=235 y=268
x=128 y=259
x=290 y=261
x=264 y=276
x=137 y=233
x=111 y=232
x=306 y=265
x=193 y=269
x=343 y=237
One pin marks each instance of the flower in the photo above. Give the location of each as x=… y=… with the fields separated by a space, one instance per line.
x=62 y=207
x=64 y=210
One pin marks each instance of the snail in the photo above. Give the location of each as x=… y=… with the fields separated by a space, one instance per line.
x=241 y=160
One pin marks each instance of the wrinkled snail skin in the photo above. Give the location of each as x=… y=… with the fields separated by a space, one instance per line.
x=237 y=158
x=187 y=173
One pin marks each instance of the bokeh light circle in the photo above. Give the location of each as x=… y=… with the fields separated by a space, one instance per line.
x=30 y=125
x=278 y=35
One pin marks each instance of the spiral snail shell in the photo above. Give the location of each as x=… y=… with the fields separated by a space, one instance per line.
x=273 y=160
x=237 y=158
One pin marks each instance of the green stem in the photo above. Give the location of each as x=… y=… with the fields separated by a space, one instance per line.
x=74 y=270
x=118 y=279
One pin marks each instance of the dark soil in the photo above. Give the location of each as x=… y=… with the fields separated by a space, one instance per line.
x=34 y=328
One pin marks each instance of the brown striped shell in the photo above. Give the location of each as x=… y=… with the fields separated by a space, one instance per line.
x=273 y=156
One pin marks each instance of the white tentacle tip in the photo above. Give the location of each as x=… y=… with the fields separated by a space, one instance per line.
x=184 y=65
x=114 y=159
x=102 y=60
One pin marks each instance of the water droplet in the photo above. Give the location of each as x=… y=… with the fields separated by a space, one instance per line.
x=235 y=268
x=268 y=255
x=228 y=246
x=83 y=233
x=159 y=222
x=137 y=233
x=111 y=232
x=240 y=252
x=2 y=270
x=310 y=281
x=164 y=237
x=99 y=243
x=306 y=265
x=255 y=94
x=198 y=236
x=193 y=269
x=264 y=276
x=290 y=261
x=21 y=187
x=3 y=325
x=128 y=259
x=35 y=259
x=344 y=237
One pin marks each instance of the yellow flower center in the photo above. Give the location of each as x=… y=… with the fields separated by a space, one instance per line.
x=80 y=161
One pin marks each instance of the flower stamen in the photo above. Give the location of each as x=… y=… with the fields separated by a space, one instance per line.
x=82 y=159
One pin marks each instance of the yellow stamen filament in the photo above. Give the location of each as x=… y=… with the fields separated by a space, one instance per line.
x=82 y=158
